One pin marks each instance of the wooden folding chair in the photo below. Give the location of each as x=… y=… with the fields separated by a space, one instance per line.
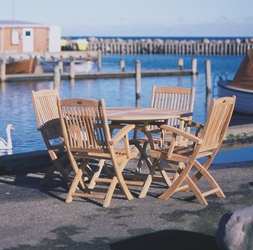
x=87 y=135
x=167 y=97
x=46 y=111
x=205 y=144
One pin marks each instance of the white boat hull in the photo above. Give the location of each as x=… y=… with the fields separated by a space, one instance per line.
x=79 y=66
x=244 y=97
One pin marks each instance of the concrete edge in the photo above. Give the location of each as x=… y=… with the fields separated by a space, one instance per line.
x=34 y=161
x=24 y=162
x=237 y=129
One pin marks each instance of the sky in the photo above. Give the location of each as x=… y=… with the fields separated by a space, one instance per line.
x=124 y=18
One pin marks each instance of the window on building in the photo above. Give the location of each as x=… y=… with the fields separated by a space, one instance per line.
x=14 y=36
x=28 y=33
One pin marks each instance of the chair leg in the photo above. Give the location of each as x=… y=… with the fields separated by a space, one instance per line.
x=157 y=166
x=143 y=157
x=118 y=179
x=57 y=166
x=121 y=181
x=215 y=187
x=182 y=176
x=96 y=174
x=107 y=170
x=48 y=175
x=74 y=185
x=176 y=182
x=203 y=171
x=148 y=180
x=200 y=167
x=110 y=192
x=200 y=197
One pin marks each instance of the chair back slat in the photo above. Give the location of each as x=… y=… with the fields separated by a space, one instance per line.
x=85 y=124
x=171 y=97
x=45 y=105
x=46 y=111
x=217 y=122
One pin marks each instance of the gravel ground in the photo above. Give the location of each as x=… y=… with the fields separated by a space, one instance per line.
x=37 y=217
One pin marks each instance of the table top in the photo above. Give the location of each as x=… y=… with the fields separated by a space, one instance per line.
x=143 y=114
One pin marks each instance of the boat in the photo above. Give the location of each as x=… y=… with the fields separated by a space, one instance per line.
x=81 y=66
x=26 y=66
x=79 y=44
x=241 y=85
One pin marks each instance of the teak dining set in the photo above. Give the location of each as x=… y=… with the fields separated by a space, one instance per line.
x=91 y=144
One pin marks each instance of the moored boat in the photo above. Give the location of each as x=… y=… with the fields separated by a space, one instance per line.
x=26 y=66
x=80 y=44
x=241 y=85
x=81 y=66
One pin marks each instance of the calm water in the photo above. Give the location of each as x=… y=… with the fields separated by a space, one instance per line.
x=16 y=106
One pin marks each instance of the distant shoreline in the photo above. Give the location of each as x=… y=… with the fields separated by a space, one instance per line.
x=162 y=37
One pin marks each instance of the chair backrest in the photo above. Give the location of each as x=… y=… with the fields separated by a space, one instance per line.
x=45 y=105
x=173 y=97
x=46 y=111
x=84 y=124
x=219 y=116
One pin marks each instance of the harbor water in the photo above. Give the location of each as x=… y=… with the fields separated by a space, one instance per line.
x=16 y=106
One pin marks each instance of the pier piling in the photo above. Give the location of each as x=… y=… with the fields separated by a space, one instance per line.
x=180 y=63
x=57 y=76
x=122 y=65
x=208 y=82
x=60 y=66
x=72 y=69
x=2 y=72
x=138 y=82
x=99 y=60
x=194 y=66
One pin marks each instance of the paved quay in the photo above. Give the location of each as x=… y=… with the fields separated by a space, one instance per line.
x=37 y=217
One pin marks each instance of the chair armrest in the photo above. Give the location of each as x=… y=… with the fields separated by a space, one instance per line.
x=180 y=132
x=121 y=133
x=192 y=123
x=197 y=125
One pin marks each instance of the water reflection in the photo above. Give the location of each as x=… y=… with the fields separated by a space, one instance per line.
x=16 y=106
x=3 y=87
x=6 y=152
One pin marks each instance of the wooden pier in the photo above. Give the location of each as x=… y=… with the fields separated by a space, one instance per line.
x=171 y=47
x=45 y=55
x=95 y=75
x=58 y=75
